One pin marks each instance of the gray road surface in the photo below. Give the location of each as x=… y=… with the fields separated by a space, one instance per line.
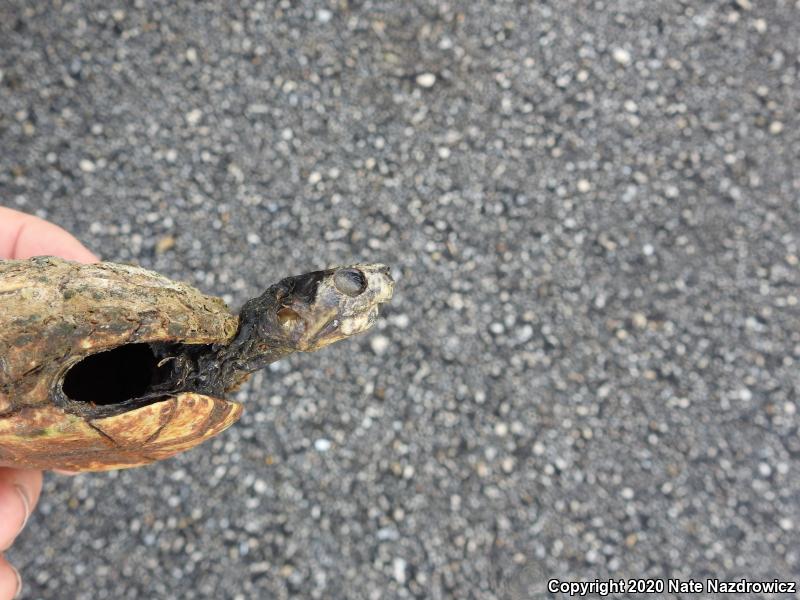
x=590 y=368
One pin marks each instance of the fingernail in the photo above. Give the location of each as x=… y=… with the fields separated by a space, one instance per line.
x=19 y=582
x=23 y=494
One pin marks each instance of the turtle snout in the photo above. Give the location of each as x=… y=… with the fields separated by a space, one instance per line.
x=386 y=285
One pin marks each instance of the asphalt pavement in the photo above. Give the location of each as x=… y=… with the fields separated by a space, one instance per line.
x=590 y=366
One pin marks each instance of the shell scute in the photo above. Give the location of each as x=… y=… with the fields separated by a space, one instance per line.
x=22 y=434
x=170 y=426
x=48 y=438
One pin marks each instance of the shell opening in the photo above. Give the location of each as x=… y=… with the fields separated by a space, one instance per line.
x=114 y=376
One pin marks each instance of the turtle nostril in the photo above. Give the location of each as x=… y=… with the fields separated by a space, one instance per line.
x=350 y=281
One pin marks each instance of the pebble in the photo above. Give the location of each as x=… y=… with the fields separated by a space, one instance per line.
x=87 y=166
x=497 y=328
x=631 y=106
x=322 y=445
x=164 y=243
x=524 y=333
x=426 y=80
x=401 y=321
x=399 y=567
x=193 y=116
x=379 y=344
x=621 y=56
x=456 y=301
x=387 y=534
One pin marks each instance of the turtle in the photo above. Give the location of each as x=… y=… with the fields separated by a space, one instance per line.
x=109 y=366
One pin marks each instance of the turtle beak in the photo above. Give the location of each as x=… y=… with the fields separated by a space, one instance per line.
x=380 y=281
x=388 y=286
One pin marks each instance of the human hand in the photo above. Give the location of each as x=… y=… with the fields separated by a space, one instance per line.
x=23 y=236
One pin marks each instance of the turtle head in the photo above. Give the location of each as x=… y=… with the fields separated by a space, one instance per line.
x=307 y=312
x=326 y=306
x=303 y=313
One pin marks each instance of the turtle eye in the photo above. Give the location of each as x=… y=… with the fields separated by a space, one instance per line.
x=350 y=282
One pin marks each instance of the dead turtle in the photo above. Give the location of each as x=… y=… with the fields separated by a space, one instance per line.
x=108 y=366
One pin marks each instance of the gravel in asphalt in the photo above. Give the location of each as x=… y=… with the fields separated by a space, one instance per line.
x=590 y=366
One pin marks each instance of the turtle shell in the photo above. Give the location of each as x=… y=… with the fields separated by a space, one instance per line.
x=56 y=313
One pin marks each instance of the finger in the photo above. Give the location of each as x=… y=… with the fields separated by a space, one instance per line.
x=14 y=511
x=29 y=479
x=10 y=581
x=19 y=492
x=23 y=236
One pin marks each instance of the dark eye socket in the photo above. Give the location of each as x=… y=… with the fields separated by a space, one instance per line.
x=350 y=281
x=287 y=317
